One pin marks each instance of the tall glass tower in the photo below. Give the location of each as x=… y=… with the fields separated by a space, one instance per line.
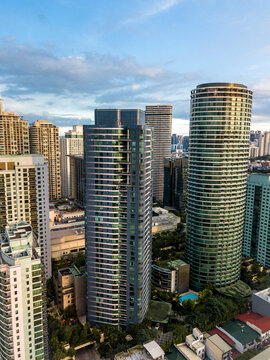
x=218 y=157
x=118 y=208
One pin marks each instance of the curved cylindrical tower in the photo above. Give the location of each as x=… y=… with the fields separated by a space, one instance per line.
x=218 y=158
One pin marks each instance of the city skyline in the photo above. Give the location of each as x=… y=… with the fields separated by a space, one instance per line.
x=111 y=56
x=135 y=180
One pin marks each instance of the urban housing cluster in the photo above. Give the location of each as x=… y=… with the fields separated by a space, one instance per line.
x=123 y=240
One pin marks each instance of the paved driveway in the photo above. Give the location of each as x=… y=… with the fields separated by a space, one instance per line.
x=88 y=353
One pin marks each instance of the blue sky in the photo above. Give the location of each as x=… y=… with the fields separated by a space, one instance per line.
x=60 y=59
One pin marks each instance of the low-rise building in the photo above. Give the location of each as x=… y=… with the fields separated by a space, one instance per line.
x=241 y=334
x=65 y=216
x=261 y=302
x=217 y=349
x=70 y=287
x=67 y=241
x=67 y=232
x=171 y=276
x=164 y=220
x=187 y=352
x=194 y=347
x=264 y=355
x=259 y=323
x=149 y=351
x=195 y=342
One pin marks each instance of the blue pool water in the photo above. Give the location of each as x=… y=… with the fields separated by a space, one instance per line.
x=190 y=296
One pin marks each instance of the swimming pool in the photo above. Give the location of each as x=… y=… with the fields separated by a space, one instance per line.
x=190 y=296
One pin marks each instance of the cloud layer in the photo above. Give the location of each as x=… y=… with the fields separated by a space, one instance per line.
x=36 y=82
x=154 y=7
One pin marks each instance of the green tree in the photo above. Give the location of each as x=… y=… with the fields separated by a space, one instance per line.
x=166 y=347
x=205 y=294
x=95 y=335
x=70 y=313
x=189 y=305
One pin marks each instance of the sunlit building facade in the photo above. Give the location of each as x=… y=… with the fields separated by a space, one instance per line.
x=24 y=196
x=44 y=139
x=118 y=210
x=218 y=159
x=14 y=135
x=23 y=318
x=71 y=144
x=159 y=118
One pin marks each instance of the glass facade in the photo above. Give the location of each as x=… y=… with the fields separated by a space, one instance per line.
x=218 y=158
x=77 y=179
x=118 y=208
x=159 y=118
x=257 y=219
x=175 y=183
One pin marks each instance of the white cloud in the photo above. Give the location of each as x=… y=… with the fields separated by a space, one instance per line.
x=265 y=49
x=63 y=129
x=180 y=126
x=262 y=85
x=154 y=7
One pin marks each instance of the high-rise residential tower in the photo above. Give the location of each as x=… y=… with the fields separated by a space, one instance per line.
x=77 y=179
x=261 y=143
x=175 y=183
x=118 y=209
x=44 y=139
x=23 y=319
x=218 y=159
x=257 y=219
x=267 y=143
x=14 y=136
x=159 y=117
x=71 y=144
x=24 y=196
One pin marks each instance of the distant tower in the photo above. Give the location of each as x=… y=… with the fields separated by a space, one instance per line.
x=44 y=139
x=267 y=143
x=159 y=117
x=14 y=137
x=71 y=144
x=261 y=143
x=218 y=160
x=118 y=210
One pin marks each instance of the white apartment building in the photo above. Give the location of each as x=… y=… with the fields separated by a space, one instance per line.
x=24 y=196
x=71 y=144
x=23 y=322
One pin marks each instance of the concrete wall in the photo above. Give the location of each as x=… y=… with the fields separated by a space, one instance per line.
x=80 y=294
x=260 y=305
x=212 y=351
x=183 y=278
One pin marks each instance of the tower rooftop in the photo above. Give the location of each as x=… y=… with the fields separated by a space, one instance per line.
x=221 y=84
